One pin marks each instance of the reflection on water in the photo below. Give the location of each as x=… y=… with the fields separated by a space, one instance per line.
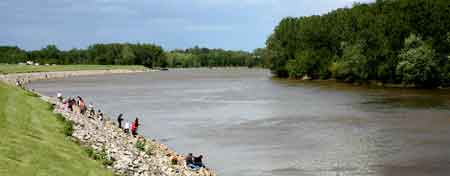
x=410 y=102
x=249 y=124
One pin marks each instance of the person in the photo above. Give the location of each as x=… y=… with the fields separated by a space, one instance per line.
x=136 y=121
x=78 y=100
x=194 y=163
x=19 y=83
x=91 y=111
x=71 y=103
x=91 y=106
x=82 y=106
x=100 y=115
x=198 y=161
x=189 y=160
x=134 y=126
x=65 y=104
x=59 y=96
x=126 y=127
x=119 y=120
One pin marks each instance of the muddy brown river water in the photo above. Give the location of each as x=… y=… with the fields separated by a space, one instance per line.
x=246 y=123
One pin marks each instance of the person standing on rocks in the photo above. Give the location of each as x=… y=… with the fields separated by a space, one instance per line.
x=100 y=115
x=91 y=111
x=198 y=161
x=134 y=126
x=189 y=160
x=18 y=84
x=90 y=106
x=82 y=106
x=119 y=120
x=71 y=103
x=59 y=96
x=127 y=127
x=136 y=121
x=133 y=129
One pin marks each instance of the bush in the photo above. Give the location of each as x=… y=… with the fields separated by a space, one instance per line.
x=140 y=145
x=446 y=75
x=90 y=151
x=68 y=128
x=281 y=72
x=101 y=156
x=294 y=68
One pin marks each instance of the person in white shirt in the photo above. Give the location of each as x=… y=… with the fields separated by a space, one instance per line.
x=126 y=128
x=59 y=96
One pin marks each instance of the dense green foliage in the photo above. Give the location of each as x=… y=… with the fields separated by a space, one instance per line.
x=104 y=54
x=204 y=57
x=34 y=141
x=12 y=54
x=132 y=54
x=367 y=42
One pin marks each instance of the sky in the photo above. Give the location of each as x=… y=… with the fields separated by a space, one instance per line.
x=173 y=24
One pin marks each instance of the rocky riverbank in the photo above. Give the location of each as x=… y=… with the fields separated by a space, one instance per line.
x=134 y=156
x=126 y=155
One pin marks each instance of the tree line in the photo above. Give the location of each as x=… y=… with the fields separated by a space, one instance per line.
x=392 y=41
x=148 y=55
x=204 y=57
x=104 y=54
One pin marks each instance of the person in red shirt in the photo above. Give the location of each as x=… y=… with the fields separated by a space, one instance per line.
x=134 y=126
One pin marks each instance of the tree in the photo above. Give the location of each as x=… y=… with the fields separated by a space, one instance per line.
x=50 y=53
x=418 y=64
x=353 y=64
x=12 y=54
x=375 y=31
x=127 y=56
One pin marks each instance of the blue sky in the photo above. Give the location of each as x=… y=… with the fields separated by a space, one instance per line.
x=228 y=24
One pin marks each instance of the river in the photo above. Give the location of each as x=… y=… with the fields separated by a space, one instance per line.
x=246 y=123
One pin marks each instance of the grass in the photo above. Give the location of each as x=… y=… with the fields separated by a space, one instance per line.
x=33 y=140
x=15 y=68
x=68 y=125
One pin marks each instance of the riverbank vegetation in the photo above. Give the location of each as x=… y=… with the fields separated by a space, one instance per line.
x=131 y=54
x=391 y=41
x=205 y=57
x=34 y=141
x=15 y=68
x=98 y=54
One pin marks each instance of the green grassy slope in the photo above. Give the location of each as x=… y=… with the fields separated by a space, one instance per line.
x=13 y=68
x=32 y=140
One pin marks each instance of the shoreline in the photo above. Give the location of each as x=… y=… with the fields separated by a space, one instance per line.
x=130 y=156
x=25 y=78
x=369 y=83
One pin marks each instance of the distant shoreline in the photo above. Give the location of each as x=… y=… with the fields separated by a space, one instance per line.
x=25 y=78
